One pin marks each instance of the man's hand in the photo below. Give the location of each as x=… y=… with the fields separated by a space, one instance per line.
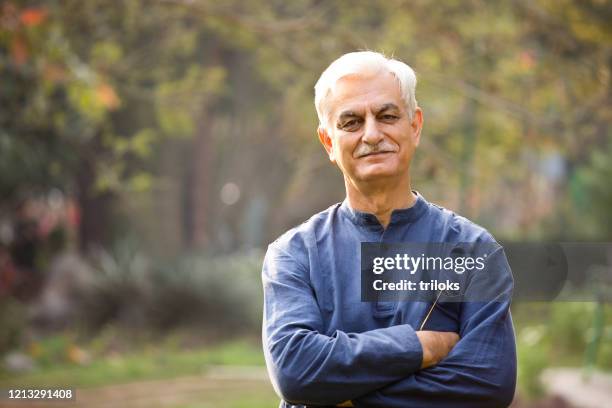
x=436 y=345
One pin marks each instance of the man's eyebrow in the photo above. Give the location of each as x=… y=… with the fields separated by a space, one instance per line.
x=386 y=107
x=347 y=115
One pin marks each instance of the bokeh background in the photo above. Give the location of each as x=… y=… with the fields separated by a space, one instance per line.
x=151 y=149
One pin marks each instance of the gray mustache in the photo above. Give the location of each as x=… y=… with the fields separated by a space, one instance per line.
x=383 y=147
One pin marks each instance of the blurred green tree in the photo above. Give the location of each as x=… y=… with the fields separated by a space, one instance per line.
x=175 y=100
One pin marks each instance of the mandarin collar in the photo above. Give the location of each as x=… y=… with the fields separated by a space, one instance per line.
x=398 y=216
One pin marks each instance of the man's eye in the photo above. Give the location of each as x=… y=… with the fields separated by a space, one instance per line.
x=389 y=117
x=352 y=124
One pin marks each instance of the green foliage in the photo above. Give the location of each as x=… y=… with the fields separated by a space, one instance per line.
x=103 y=89
x=569 y=326
x=51 y=351
x=181 y=102
x=532 y=356
x=594 y=178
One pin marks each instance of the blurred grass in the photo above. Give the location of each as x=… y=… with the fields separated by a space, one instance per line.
x=141 y=360
x=149 y=363
x=253 y=401
x=548 y=335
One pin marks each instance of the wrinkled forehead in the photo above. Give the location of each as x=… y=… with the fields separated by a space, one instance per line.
x=361 y=93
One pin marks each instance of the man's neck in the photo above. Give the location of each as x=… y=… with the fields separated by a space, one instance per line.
x=380 y=200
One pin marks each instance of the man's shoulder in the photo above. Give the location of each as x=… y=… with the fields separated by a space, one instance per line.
x=458 y=228
x=296 y=237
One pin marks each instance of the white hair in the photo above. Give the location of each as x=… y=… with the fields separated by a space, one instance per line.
x=366 y=63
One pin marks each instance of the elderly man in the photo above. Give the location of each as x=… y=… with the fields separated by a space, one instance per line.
x=323 y=345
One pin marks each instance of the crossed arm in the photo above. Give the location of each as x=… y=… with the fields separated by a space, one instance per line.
x=381 y=367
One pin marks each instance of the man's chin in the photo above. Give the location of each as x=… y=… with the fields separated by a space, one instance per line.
x=375 y=174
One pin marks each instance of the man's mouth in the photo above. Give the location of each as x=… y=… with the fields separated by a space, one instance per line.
x=375 y=153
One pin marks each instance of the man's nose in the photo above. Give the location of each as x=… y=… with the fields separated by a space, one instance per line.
x=372 y=134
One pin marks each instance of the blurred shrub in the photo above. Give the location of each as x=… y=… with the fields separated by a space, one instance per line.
x=556 y=334
x=569 y=325
x=214 y=293
x=12 y=323
x=121 y=288
x=223 y=292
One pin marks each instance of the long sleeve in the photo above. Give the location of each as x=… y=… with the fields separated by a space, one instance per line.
x=480 y=371
x=308 y=367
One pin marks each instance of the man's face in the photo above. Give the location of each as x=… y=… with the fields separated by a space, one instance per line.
x=369 y=134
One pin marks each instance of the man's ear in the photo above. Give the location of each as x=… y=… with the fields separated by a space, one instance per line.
x=417 y=125
x=326 y=141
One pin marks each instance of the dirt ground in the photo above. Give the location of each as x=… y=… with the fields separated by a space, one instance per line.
x=219 y=387
x=236 y=387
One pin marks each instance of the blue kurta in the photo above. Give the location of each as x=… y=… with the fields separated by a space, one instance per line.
x=323 y=345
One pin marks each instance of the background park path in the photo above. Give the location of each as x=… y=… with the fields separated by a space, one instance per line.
x=220 y=386
x=236 y=386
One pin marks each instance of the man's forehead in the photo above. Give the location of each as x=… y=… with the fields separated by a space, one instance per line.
x=359 y=93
